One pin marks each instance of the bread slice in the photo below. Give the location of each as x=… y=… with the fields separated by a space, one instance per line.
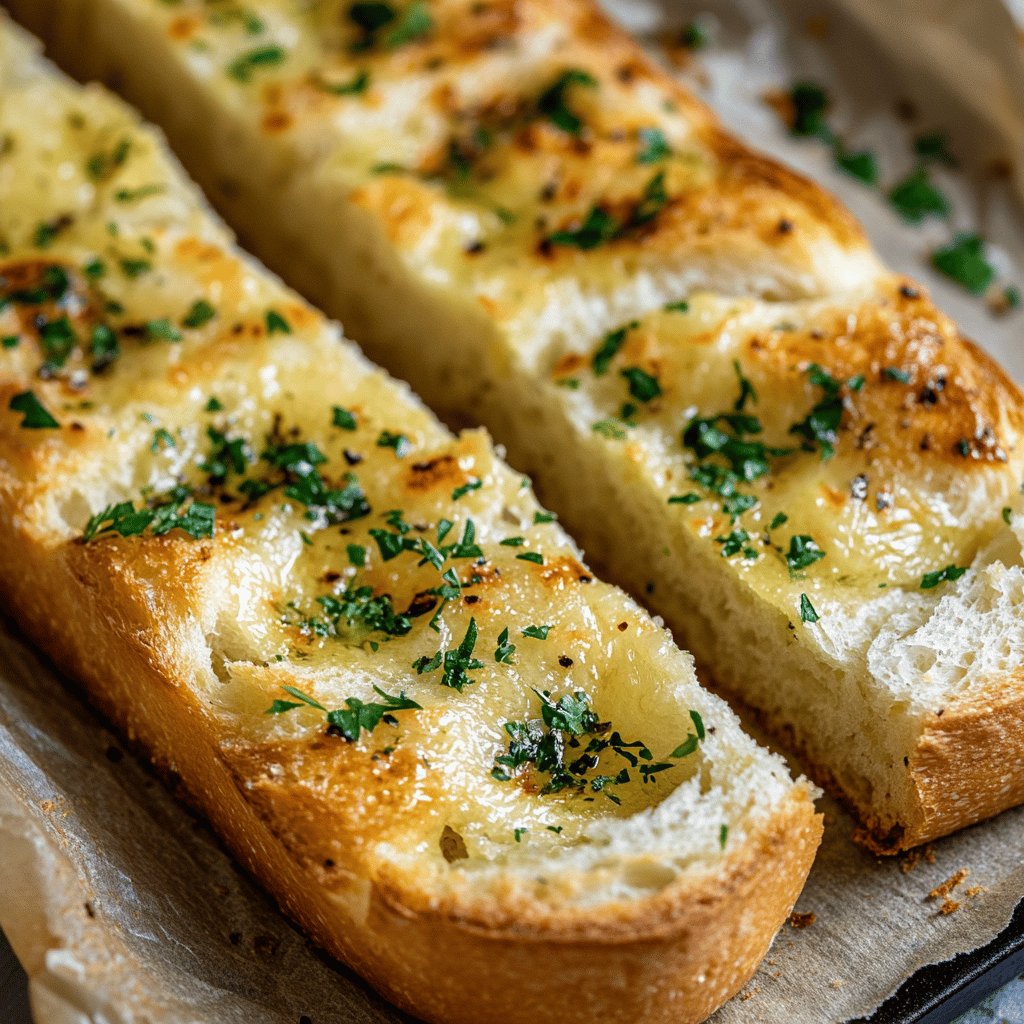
x=275 y=570
x=490 y=194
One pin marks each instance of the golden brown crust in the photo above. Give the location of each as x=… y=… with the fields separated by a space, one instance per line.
x=669 y=959
x=967 y=766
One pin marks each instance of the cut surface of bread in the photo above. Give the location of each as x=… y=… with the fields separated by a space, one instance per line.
x=484 y=778
x=785 y=449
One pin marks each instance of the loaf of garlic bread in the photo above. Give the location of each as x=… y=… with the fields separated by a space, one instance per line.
x=482 y=777
x=781 y=447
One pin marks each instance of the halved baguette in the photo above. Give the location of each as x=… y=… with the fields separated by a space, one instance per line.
x=274 y=569
x=490 y=194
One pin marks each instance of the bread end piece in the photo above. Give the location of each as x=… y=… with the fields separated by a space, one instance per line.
x=967 y=766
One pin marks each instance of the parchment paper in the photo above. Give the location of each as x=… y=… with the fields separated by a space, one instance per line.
x=122 y=906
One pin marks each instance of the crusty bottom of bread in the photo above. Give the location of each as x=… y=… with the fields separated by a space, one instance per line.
x=698 y=944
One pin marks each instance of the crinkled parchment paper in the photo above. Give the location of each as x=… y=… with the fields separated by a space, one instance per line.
x=125 y=910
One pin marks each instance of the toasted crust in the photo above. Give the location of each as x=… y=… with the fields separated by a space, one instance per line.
x=968 y=765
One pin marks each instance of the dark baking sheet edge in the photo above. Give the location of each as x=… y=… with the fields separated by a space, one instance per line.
x=940 y=993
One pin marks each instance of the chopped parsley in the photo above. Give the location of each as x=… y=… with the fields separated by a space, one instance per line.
x=47 y=232
x=600 y=226
x=964 y=261
x=809 y=104
x=399 y=443
x=609 y=349
x=57 y=338
x=505 y=651
x=162 y=440
x=413 y=23
x=359 y=84
x=134 y=268
x=654 y=146
x=735 y=543
x=932 y=579
x=455 y=664
x=131 y=195
x=554 y=101
x=463 y=489
x=934 y=146
x=276 y=324
x=175 y=511
x=537 y=632
x=610 y=429
x=807 y=612
x=356 y=717
x=405 y=26
x=695 y=35
x=34 y=415
x=531 y=556
x=161 y=330
x=567 y=743
x=392 y=544
x=242 y=68
x=351 y=615
x=916 y=197
x=356 y=555
x=100 y=166
x=896 y=374
x=342 y=418
x=297 y=464
x=747 y=391
x=642 y=386
x=820 y=427
x=677 y=307
x=803 y=551
x=859 y=164
x=200 y=313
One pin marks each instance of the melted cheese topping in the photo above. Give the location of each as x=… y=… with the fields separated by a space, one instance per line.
x=510 y=147
x=871 y=428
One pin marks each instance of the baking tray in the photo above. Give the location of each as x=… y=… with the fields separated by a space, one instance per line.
x=937 y=994
x=940 y=993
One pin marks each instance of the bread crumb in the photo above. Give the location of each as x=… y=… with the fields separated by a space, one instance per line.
x=910 y=859
x=975 y=890
x=750 y=993
x=949 y=907
x=798 y=920
x=836 y=983
x=943 y=890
